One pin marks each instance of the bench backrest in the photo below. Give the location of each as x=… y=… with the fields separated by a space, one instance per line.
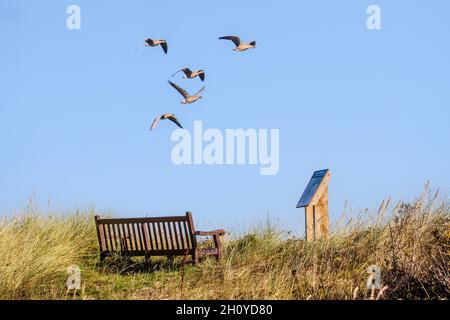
x=147 y=236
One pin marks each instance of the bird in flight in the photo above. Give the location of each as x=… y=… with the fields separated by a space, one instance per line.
x=240 y=46
x=189 y=74
x=154 y=43
x=187 y=97
x=169 y=116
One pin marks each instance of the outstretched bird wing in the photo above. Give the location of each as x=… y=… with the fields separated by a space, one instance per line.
x=164 y=46
x=235 y=39
x=180 y=90
x=186 y=71
x=200 y=91
x=155 y=123
x=174 y=120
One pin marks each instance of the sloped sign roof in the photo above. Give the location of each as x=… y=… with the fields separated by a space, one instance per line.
x=314 y=188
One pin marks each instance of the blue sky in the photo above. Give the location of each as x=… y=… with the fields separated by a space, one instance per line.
x=76 y=105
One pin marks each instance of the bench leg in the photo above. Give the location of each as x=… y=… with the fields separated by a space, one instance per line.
x=195 y=258
x=102 y=257
x=148 y=261
x=218 y=244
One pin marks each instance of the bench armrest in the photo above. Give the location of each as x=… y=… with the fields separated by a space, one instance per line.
x=219 y=232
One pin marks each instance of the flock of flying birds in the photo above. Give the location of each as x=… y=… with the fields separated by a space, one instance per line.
x=189 y=74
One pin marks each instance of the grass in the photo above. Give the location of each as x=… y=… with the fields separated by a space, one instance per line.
x=410 y=242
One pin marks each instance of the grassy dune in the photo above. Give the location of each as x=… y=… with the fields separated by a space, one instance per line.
x=410 y=242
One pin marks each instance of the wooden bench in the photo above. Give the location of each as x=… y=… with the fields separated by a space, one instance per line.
x=154 y=236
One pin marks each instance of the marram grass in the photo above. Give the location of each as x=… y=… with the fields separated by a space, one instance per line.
x=410 y=243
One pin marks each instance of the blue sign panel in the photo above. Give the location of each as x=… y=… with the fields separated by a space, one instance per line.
x=311 y=188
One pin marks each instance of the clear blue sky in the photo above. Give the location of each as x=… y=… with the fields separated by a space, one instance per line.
x=75 y=106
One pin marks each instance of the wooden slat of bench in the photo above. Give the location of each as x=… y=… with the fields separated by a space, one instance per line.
x=100 y=234
x=168 y=246
x=102 y=237
x=118 y=240
x=161 y=236
x=137 y=230
x=188 y=236
x=135 y=237
x=155 y=236
x=177 y=235
x=116 y=233
x=183 y=234
x=169 y=240
x=166 y=238
x=123 y=245
x=172 y=243
x=123 y=237
x=144 y=235
x=127 y=237
x=114 y=236
x=104 y=234
x=110 y=237
x=142 y=220
x=150 y=234
x=118 y=236
x=180 y=235
x=132 y=237
x=169 y=235
x=172 y=235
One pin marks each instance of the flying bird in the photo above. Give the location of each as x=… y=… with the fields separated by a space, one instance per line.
x=169 y=116
x=189 y=74
x=187 y=97
x=240 y=46
x=154 y=43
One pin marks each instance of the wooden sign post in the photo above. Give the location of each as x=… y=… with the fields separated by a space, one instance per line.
x=315 y=202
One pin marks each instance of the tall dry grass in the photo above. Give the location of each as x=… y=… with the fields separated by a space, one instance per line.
x=35 y=252
x=410 y=242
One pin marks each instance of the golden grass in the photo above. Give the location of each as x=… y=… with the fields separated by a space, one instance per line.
x=409 y=242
